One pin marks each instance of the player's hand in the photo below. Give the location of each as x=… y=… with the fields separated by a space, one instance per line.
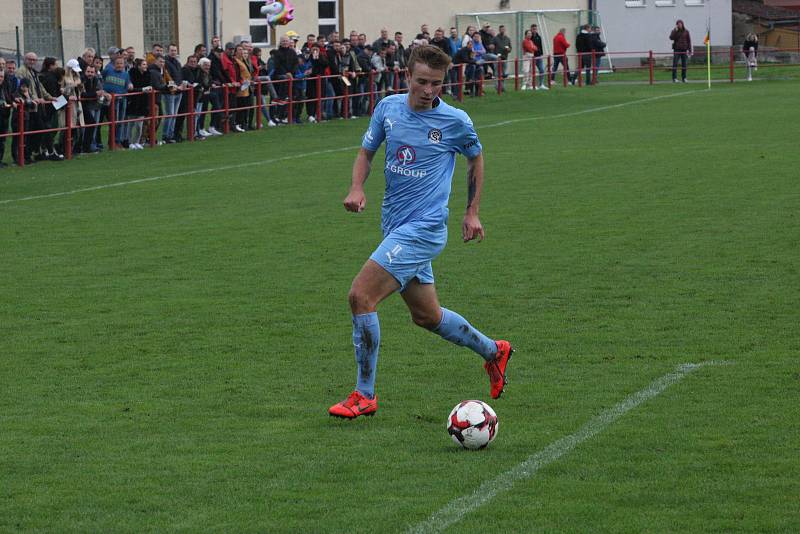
x=472 y=228
x=356 y=201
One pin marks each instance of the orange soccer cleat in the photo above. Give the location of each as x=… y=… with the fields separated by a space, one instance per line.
x=353 y=406
x=497 y=368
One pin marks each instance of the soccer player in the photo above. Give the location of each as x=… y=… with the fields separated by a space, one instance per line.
x=423 y=135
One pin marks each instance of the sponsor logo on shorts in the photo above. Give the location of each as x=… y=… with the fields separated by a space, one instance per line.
x=392 y=254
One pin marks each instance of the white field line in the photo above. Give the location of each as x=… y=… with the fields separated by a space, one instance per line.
x=320 y=152
x=456 y=509
x=593 y=110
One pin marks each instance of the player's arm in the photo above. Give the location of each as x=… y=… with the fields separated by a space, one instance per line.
x=471 y=228
x=356 y=199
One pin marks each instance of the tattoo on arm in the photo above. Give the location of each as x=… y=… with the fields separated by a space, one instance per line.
x=471 y=186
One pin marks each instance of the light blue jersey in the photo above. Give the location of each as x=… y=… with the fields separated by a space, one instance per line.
x=421 y=149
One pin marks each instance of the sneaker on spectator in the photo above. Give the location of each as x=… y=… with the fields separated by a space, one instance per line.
x=283 y=121
x=311 y=118
x=271 y=124
x=213 y=131
x=238 y=128
x=202 y=133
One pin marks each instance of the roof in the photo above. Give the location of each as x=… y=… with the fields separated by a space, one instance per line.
x=758 y=10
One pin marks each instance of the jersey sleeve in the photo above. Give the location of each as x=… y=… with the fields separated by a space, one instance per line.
x=375 y=134
x=469 y=145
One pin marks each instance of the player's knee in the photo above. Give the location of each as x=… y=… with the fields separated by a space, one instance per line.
x=427 y=320
x=359 y=301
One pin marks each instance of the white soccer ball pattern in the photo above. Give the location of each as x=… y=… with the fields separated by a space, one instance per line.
x=472 y=424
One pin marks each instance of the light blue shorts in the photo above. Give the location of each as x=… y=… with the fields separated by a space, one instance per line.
x=406 y=253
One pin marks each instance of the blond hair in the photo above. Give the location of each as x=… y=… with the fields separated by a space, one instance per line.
x=432 y=56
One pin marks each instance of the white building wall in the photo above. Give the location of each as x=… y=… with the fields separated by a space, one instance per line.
x=640 y=29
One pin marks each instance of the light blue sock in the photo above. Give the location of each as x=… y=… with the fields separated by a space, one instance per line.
x=366 y=340
x=456 y=329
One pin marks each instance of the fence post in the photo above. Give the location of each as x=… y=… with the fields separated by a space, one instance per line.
x=290 y=111
x=319 y=98
x=190 y=133
x=21 y=133
x=68 y=131
x=371 y=91
x=499 y=69
x=516 y=74
x=346 y=101
x=112 y=128
x=226 y=100
x=651 y=66
x=581 y=58
x=259 y=122
x=461 y=83
x=549 y=71
x=153 y=119
x=732 y=59
x=396 y=80
x=594 y=68
x=480 y=83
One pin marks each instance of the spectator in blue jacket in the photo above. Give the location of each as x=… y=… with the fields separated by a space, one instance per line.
x=117 y=81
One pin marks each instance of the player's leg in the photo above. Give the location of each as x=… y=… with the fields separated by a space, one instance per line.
x=426 y=312
x=371 y=285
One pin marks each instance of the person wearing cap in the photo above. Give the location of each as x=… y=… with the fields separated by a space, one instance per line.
x=72 y=89
x=487 y=34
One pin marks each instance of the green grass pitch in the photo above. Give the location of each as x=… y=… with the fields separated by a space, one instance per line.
x=169 y=347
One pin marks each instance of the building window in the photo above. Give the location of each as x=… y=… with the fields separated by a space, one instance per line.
x=160 y=23
x=700 y=3
x=634 y=3
x=328 y=15
x=665 y=3
x=40 y=25
x=260 y=34
x=100 y=24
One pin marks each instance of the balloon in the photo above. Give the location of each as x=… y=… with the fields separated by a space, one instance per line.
x=278 y=13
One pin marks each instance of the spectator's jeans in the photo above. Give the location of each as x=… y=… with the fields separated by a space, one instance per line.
x=171 y=104
x=90 y=118
x=327 y=105
x=120 y=109
x=586 y=65
x=542 y=72
x=389 y=76
x=679 y=56
x=559 y=60
x=5 y=115
x=200 y=115
x=452 y=79
x=217 y=105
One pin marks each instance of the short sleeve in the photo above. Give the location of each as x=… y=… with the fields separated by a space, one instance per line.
x=375 y=134
x=469 y=145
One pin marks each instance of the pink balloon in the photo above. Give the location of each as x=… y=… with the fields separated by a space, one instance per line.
x=278 y=13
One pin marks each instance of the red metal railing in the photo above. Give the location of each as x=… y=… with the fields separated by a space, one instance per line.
x=362 y=94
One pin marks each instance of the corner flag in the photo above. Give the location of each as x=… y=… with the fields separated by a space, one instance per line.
x=707 y=42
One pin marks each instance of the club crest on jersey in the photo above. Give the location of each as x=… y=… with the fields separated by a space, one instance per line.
x=435 y=136
x=406 y=155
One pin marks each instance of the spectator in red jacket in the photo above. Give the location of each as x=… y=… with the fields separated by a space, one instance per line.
x=560 y=46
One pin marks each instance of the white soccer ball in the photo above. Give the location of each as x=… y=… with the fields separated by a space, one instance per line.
x=472 y=424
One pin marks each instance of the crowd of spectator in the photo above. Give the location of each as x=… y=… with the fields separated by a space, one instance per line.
x=220 y=81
